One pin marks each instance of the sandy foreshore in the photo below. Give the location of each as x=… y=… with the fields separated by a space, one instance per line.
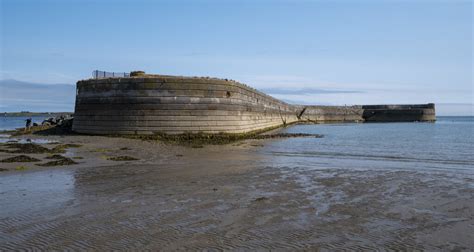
x=234 y=196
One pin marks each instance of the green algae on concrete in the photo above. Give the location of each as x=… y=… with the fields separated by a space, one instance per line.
x=197 y=140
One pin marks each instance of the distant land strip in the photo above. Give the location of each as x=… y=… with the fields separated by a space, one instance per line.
x=26 y=114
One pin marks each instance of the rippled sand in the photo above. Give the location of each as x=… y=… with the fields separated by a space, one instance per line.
x=227 y=197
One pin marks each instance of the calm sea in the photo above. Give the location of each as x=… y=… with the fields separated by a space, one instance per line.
x=13 y=122
x=447 y=144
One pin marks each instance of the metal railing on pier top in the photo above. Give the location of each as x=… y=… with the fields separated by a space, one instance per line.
x=103 y=74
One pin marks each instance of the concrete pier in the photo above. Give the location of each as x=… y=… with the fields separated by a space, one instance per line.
x=399 y=113
x=150 y=104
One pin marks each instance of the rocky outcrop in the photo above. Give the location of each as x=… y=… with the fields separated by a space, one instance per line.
x=61 y=121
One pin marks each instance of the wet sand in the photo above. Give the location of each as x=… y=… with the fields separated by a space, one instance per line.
x=234 y=196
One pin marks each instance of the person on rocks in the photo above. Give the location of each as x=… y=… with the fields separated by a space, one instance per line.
x=28 y=124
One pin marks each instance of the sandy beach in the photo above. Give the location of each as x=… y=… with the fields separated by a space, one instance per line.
x=236 y=125
x=221 y=197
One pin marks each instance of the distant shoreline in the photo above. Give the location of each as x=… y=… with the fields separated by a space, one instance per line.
x=21 y=114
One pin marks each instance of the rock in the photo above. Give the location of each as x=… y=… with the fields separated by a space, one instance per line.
x=61 y=120
x=20 y=158
x=58 y=161
x=261 y=199
x=49 y=121
x=66 y=123
x=122 y=158
x=27 y=148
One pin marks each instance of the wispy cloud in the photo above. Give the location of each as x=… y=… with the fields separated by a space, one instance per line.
x=277 y=81
x=20 y=96
x=307 y=91
x=38 y=77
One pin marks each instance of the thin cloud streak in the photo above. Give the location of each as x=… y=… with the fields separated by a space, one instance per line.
x=306 y=91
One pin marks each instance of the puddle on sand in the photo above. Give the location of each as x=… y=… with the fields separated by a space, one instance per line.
x=34 y=191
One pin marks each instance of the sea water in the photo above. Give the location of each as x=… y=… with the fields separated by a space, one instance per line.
x=447 y=144
x=14 y=122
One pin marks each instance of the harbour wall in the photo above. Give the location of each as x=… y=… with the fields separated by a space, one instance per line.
x=173 y=104
x=399 y=113
x=331 y=114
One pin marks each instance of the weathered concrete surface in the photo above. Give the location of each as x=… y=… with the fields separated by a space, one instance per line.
x=399 y=113
x=328 y=114
x=169 y=104
x=152 y=104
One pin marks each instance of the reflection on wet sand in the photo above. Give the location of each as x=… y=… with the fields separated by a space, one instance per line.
x=35 y=192
x=237 y=196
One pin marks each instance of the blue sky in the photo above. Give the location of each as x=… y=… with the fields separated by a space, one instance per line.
x=321 y=52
